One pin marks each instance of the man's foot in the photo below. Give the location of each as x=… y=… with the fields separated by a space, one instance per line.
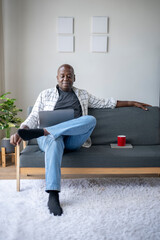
x=54 y=204
x=27 y=134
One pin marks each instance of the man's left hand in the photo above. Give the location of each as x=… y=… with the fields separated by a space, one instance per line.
x=140 y=105
x=132 y=104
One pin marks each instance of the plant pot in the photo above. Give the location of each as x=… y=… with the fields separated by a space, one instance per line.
x=9 y=148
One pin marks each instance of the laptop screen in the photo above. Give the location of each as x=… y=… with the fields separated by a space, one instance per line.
x=51 y=118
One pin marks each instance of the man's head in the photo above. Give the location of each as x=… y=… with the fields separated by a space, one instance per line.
x=65 y=77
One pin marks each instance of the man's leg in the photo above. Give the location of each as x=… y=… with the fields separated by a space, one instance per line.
x=77 y=132
x=79 y=126
x=72 y=127
x=54 y=148
x=53 y=156
x=76 y=141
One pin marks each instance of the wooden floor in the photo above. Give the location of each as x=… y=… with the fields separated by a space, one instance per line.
x=9 y=172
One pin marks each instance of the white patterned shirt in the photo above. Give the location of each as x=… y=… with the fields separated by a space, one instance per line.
x=47 y=99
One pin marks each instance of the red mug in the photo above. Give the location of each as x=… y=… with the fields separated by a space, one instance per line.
x=121 y=139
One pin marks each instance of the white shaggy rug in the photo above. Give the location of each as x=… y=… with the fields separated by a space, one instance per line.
x=94 y=209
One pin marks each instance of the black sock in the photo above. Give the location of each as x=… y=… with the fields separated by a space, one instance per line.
x=54 y=204
x=27 y=134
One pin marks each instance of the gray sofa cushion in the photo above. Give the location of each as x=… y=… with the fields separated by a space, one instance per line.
x=140 y=127
x=97 y=156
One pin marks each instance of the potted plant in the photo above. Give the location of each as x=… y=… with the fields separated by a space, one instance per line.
x=8 y=119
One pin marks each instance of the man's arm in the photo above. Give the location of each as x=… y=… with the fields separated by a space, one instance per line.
x=32 y=119
x=132 y=104
x=30 y=122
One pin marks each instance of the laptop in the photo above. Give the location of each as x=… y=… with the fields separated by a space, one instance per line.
x=50 y=118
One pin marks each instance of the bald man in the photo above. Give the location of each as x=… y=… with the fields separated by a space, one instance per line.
x=69 y=135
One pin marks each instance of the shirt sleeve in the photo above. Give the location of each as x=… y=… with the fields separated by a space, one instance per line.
x=33 y=119
x=94 y=102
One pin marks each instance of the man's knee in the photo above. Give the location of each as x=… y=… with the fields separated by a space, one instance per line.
x=92 y=120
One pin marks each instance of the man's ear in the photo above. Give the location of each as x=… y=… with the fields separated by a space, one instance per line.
x=74 y=78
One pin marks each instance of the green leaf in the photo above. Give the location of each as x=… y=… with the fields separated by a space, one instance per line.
x=8 y=112
x=11 y=124
x=3 y=95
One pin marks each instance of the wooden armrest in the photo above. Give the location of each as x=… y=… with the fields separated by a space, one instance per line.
x=24 y=144
x=18 y=166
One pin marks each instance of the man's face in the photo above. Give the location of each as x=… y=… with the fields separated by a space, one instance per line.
x=65 y=78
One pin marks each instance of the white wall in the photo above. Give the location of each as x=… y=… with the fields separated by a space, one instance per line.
x=129 y=71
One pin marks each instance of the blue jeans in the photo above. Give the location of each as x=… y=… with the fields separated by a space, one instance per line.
x=68 y=135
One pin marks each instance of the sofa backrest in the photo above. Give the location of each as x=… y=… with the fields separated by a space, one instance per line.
x=140 y=127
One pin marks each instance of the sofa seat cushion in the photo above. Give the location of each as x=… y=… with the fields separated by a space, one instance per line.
x=97 y=156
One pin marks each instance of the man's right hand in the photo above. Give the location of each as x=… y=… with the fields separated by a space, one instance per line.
x=15 y=138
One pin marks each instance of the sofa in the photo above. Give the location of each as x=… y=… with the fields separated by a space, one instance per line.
x=142 y=130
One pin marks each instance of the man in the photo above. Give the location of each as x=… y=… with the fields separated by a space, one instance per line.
x=67 y=135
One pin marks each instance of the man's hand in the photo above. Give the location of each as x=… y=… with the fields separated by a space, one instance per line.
x=141 y=105
x=15 y=138
x=132 y=104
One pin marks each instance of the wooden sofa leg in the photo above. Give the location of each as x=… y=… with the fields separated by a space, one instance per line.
x=18 y=166
x=3 y=156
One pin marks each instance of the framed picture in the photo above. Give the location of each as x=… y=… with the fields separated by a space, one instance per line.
x=100 y=25
x=98 y=43
x=65 y=43
x=65 y=25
